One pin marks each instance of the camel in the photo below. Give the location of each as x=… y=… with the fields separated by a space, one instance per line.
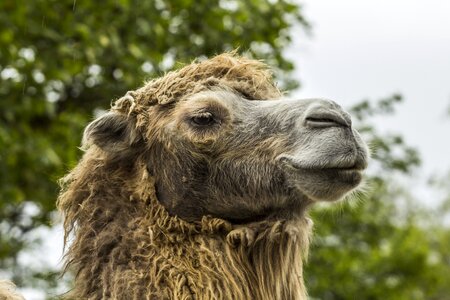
x=198 y=185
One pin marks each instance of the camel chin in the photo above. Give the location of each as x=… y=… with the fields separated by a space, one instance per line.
x=310 y=182
x=327 y=178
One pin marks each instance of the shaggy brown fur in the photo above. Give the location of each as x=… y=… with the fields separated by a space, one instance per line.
x=125 y=245
x=132 y=249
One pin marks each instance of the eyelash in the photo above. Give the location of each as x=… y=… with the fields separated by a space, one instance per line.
x=204 y=119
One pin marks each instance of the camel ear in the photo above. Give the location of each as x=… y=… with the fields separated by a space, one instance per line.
x=113 y=132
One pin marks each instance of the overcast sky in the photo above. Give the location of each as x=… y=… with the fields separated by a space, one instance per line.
x=374 y=48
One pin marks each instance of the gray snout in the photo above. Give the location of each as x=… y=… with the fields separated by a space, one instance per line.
x=326 y=114
x=334 y=145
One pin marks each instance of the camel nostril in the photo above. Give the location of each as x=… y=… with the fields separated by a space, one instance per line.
x=322 y=119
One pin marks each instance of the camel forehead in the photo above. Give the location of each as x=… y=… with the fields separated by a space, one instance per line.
x=225 y=97
x=250 y=78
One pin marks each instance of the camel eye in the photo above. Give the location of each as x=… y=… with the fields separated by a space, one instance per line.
x=204 y=119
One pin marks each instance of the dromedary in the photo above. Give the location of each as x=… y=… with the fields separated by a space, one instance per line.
x=192 y=187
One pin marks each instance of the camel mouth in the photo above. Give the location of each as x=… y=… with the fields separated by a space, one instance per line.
x=324 y=181
x=341 y=175
x=352 y=174
x=355 y=164
x=349 y=175
x=356 y=167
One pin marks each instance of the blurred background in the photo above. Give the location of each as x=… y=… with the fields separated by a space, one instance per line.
x=387 y=62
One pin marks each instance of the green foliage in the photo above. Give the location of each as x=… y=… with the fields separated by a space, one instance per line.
x=390 y=151
x=369 y=251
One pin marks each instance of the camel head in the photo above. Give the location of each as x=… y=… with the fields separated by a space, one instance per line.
x=219 y=139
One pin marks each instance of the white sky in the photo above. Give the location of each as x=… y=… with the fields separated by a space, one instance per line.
x=367 y=49
x=373 y=48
